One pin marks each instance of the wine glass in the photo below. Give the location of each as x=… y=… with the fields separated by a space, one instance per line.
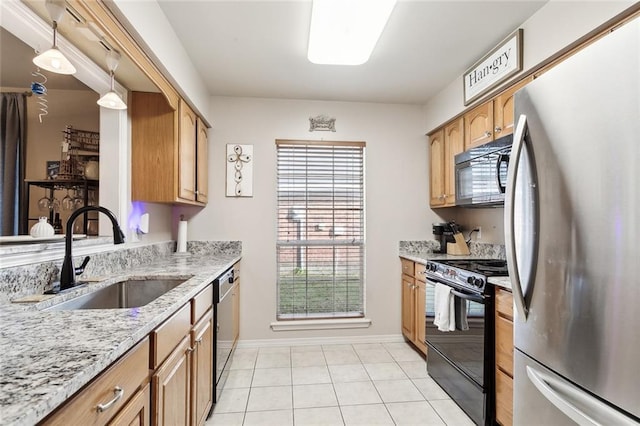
x=68 y=202
x=92 y=198
x=78 y=201
x=44 y=203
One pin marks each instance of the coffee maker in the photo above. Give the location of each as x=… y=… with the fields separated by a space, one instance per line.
x=443 y=233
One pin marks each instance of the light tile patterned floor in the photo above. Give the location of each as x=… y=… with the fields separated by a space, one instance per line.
x=360 y=384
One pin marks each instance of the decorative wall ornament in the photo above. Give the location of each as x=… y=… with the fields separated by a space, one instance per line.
x=322 y=123
x=239 y=170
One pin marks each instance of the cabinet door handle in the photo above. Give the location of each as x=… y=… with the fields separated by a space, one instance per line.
x=198 y=340
x=498 y=129
x=190 y=349
x=487 y=134
x=118 y=393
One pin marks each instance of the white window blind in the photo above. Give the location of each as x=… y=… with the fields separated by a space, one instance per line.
x=320 y=244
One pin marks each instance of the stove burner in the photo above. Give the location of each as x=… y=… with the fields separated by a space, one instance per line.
x=486 y=267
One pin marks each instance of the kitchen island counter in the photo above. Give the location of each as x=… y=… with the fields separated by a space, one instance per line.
x=47 y=356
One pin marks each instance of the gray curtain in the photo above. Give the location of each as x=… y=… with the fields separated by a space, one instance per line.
x=12 y=158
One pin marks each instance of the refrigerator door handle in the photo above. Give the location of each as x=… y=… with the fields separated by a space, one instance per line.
x=575 y=403
x=509 y=206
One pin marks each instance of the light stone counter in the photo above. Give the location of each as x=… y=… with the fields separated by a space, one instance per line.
x=45 y=357
x=422 y=252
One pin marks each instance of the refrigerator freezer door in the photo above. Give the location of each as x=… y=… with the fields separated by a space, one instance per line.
x=549 y=399
x=583 y=295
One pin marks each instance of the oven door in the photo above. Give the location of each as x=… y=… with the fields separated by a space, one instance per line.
x=466 y=350
x=461 y=361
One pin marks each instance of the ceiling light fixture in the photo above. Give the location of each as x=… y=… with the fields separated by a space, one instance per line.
x=53 y=60
x=111 y=99
x=344 y=32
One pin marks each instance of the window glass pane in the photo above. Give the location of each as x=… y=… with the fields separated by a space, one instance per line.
x=320 y=230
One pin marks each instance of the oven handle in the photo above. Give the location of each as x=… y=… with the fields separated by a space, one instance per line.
x=502 y=158
x=466 y=296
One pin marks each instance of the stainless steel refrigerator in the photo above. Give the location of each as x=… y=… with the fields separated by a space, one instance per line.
x=572 y=215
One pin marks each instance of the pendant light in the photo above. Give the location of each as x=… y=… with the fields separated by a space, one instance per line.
x=111 y=99
x=53 y=60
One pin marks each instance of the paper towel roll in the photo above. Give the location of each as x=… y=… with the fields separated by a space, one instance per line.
x=182 y=237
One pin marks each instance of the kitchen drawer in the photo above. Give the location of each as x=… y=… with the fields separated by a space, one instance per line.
x=504 y=344
x=167 y=336
x=128 y=373
x=504 y=303
x=201 y=303
x=408 y=267
x=138 y=410
x=504 y=399
x=420 y=270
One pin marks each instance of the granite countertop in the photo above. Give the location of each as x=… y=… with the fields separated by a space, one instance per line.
x=48 y=356
x=424 y=256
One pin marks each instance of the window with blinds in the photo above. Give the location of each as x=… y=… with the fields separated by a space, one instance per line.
x=320 y=246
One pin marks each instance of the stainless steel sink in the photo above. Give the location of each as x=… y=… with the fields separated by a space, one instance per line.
x=124 y=294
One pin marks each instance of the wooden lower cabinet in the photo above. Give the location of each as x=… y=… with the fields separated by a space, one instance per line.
x=202 y=369
x=504 y=398
x=413 y=304
x=172 y=387
x=408 y=307
x=504 y=356
x=182 y=386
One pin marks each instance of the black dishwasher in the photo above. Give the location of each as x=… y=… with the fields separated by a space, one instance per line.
x=224 y=342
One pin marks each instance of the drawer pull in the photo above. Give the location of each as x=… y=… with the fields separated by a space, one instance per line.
x=118 y=393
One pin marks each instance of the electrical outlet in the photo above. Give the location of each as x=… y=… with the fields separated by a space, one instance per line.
x=479 y=233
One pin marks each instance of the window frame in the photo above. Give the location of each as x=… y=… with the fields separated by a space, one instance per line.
x=334 y=243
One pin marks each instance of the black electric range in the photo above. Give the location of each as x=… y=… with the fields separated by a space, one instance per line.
x=461 y=358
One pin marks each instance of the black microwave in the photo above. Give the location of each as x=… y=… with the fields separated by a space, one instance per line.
x=481 y=174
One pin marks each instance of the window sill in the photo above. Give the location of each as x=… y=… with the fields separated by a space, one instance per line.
x=323 y=324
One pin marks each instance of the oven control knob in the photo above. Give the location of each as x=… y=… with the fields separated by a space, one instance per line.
x=479 y=282
x=470 y=280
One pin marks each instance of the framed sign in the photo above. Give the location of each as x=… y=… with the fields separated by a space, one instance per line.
x=493 y=68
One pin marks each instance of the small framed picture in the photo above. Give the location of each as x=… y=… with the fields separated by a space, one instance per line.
x=53 y=168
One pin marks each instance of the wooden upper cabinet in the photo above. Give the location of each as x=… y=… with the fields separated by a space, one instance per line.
x=453 y=144
x=478 y=125
x=166 y=163
x=503 y=109
x=436 y=169
x=202 y=166
x=187 y=153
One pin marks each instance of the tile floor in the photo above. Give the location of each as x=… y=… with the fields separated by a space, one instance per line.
x=359 y=384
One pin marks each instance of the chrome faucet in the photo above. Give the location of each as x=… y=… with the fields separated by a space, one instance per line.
x=68 y=272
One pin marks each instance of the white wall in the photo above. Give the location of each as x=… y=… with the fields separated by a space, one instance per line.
x=552 y=28
x=396 y=198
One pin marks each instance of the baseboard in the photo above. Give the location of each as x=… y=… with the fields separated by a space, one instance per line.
x=307 y=341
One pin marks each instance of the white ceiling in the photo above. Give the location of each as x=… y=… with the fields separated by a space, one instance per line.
x=258 y=48
x=16 y=67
